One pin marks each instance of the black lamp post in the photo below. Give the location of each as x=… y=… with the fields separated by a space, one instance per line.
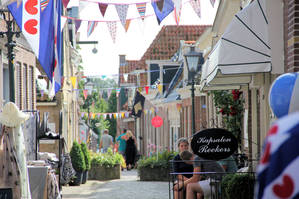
x=10 y=32
x=194 y=61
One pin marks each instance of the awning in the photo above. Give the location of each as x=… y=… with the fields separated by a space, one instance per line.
x=242 y=49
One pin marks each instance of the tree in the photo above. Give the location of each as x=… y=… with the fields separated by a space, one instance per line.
x=112 y=108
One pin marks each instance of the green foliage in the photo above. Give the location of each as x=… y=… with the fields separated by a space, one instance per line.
x=231 y=105
x=106 y=159
x=112 y=108
x=160 y=160
x=86 y=154
x=77 y=157
x=241 y=185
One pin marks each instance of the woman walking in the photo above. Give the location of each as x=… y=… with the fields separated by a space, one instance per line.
x=130 y=150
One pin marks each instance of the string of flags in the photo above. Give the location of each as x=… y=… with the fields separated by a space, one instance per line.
x=162 y=9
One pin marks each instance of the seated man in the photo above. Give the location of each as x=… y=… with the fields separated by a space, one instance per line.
x=201 y=188
x=229 y=164
x=180 y=166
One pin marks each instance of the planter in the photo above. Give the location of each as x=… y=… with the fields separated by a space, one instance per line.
x=104 y=173
x=84 y=176
x=78 y=180
x=153 y=174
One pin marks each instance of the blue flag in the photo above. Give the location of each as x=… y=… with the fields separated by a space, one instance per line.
x=40 y=24
x=168 y=7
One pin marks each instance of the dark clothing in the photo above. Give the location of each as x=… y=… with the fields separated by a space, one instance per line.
x=130 y=151
x=179 y=166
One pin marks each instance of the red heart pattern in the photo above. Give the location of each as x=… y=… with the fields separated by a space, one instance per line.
x=30 y=7
x=30 y=26
x=286 y=189
x=266 y=156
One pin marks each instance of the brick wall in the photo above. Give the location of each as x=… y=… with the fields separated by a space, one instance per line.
x=291 y=35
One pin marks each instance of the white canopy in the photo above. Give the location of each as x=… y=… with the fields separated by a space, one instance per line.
x=242 y=49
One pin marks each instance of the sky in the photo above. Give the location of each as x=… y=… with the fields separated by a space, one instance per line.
x=136 y=40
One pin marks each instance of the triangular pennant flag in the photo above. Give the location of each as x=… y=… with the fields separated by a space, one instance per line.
x=145 y=112
x=93 y=116
x=122 y=10
x=82 y=115
x=141 y=7
x=110 y=115
x=103 y=76
x=177 y=10
x=104 y=116
x=127 y=114
x=146 y=89
x=77 y=24
x=90 y=27
x=212 y=2
x=73 y=80
x=160 y=5
x=63 y=20
x=112 y=29
x=128 y=21
x=140 y=89
x=103 y=8
x=42 y=30
x=125 y=77
x=98 y=115
x=85 y=93
x=42 y=92
x=65 y=2
x=122 y=114
x=167 y=9
x=196 y=7
x=160 y=87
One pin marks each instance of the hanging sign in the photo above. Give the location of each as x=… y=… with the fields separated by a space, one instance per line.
x=214 y=144
x=157 y=121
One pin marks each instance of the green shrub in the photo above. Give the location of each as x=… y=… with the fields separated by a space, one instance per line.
x=160 y=160
x=77 y=157
x=106 y=159
x=86 y=154
x=241 y=185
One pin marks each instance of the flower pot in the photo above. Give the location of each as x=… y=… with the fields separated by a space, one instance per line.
x=85 y=176
x=153 y=174
x=98 y=172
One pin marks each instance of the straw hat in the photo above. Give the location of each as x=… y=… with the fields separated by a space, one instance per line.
x=11 y=116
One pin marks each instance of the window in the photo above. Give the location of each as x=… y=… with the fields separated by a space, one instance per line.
x=30 y=88
x=25 y=87
x=168 y=74
x=18 y=86
x=154 y=73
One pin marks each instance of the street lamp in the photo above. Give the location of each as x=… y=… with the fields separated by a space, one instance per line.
x=10 y=32
x=194 y=61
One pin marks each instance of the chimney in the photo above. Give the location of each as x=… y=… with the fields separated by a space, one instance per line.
x=122 y=60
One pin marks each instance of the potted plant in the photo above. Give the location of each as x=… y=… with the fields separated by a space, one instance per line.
x=105 y=166
x=78 y=163
x=155 y=167
x=87 y=162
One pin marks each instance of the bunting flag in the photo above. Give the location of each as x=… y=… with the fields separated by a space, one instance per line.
x=146 y=89
x=167 y=9
x=44 y=38
x=85 y=93
x=177 y=10
x=160 y=5
x=141 y=7
x=122 y=10
x=122 y=114
x=65 y=3
x=90 y=27
x=103 y=8
x=179 y=107
x=196 y=7
x=138 y=104
x=125 y=77
x=77 y=24
x=73 y=80
x=104 y=116
x=212 y=2
x=140 y=89
x=110 y=115
x=128 y=21
x=42 y=92
x=112 y=29
x=160 y=88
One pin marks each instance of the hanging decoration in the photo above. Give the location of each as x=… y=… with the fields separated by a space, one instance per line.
x=146 y=89
x=125 y=76
x=42 y=92
x=65 y=3
x=77 y=24
x=166 y=10
x=103 y=8
x=212 y=2
x=122 y=10
x=112 y=29
x=141 y=7
x=160 y=88
x=177 y=10
x=73 y=80
x=196 y=7
x=85 y=93
x=90 y=27
x=157 y=121
x=128 y=21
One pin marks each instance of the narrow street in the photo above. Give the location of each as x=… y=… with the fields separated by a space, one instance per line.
x=128 y=187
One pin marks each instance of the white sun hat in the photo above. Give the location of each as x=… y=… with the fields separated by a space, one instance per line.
x=11 y=115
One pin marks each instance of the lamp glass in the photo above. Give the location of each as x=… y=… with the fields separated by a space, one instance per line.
x=192 y=63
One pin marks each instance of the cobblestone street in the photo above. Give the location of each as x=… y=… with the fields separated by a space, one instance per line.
x=128 y=187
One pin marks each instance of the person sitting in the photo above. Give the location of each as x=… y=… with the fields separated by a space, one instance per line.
x=229 y=164
x=180 y=166
x=201 y=188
